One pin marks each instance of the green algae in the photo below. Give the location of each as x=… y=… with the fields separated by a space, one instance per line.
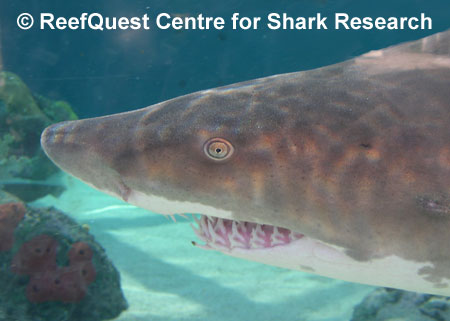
x=23 y=117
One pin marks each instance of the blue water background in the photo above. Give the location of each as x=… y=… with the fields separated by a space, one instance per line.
x=103 y=72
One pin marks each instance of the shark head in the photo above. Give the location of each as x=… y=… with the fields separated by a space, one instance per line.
x=192 y=154
x=338 y=171
x=223 y=153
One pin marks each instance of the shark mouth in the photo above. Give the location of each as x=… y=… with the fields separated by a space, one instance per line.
x=226 y=235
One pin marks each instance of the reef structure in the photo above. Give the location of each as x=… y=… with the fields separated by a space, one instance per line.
x=23 y=115
x=48 y=281
x=391 y=304
x=10 y=216
x=51 y=268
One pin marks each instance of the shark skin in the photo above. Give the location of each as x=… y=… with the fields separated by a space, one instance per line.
x=343 y=171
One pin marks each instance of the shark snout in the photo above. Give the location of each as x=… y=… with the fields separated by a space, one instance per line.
x=55 y=137
x=67 y=146
x=85 y=150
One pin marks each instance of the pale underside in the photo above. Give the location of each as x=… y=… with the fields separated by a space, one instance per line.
x=306 y=254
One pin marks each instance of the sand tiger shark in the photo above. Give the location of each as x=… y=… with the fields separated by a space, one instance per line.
x=343 y=171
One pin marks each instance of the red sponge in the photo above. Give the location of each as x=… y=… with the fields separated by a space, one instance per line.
x=36 y=255
x=48 y=282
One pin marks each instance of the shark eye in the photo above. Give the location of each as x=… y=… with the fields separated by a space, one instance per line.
x=218 y=149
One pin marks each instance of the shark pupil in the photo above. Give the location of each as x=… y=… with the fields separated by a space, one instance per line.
x=218 y=149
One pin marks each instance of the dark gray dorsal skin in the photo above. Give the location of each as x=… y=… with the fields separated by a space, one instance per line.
x=355 y=154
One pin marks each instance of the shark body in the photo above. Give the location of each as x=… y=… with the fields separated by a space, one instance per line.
x=342 y=171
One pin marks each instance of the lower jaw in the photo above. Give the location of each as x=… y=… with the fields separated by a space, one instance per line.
x=271 y=245
x=296 y=251
x=261 y=243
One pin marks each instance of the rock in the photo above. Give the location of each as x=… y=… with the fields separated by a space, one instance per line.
x=385 y=304
x=6 y=197
x=54 y=269
x=55 y=110
x=17 y=97
x=30 y=190
x=10 y=216
x=23 y=117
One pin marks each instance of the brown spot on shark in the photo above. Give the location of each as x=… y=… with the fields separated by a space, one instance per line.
x=343 y=169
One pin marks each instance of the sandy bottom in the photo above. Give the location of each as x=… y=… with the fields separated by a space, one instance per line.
x=165 y=278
